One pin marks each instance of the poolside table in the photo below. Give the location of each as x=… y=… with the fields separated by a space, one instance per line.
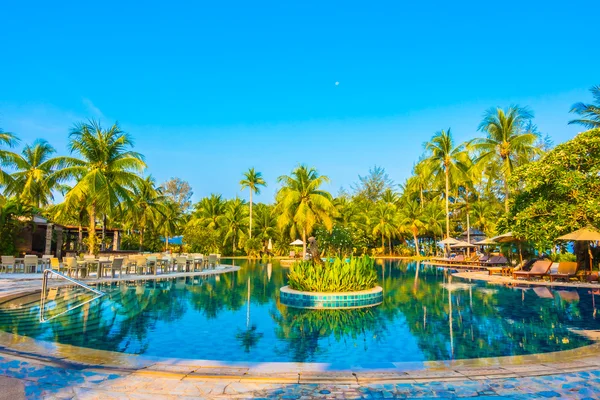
x=44 y=262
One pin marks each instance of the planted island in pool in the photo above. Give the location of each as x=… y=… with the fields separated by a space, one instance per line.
x=340 y=283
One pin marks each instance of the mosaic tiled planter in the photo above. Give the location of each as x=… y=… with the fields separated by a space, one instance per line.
x=363 y=298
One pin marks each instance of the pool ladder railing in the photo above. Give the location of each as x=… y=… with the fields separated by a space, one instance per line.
x=46 y=274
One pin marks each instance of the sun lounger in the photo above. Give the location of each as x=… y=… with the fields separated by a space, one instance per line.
x=566 y=270
x=539 y=269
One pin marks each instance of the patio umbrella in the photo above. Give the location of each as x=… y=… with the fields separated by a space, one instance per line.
x=485 y=242
x=297 y=242
x=449 y=241
x=509 y=238
x=461 y=245
x=583 y=235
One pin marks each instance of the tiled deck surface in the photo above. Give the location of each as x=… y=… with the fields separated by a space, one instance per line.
x=33 y=369
x=36 y=380
x=508 y=280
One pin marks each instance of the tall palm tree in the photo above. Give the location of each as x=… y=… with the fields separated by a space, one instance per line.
x=106 y=172
x=266 y=223
x=506 y=140
x=590 y=113
x=252 y=180
x=235 y=220
x=301 y=203
x=6 y=157
x=384 y=218
x=412 y=221
x=209 y=211
x=445 y=159
x=145 y=207
x=33 y=180
x=170 y=220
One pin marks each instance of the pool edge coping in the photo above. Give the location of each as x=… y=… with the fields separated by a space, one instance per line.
x=584 y=358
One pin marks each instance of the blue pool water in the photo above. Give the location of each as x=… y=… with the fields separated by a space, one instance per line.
x=425 y=316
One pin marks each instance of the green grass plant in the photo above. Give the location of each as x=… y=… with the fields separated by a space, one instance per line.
x=339 y=275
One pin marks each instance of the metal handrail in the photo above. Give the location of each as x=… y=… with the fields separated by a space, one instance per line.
x=49 y=271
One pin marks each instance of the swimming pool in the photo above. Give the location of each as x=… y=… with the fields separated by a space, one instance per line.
x=425 y=316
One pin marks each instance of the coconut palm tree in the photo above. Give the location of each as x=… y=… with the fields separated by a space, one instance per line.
x=252 y=180
x=385 y=221
x=106 y=173
x=301 y=203
x=145 y=207
x=411 y=221
x=209 y=211
x=265 y=226
x=445 y=159
x=170 y=220
x=33 y=180
x=506 y=140
x=235 y=220
x=590 y=113
x=6 y=157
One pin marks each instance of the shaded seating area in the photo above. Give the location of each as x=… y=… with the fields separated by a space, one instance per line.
x=566 y=271
x=539 y=269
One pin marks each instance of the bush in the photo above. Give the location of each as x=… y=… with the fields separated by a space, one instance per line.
x=563 y=257
x=337 y=276
x=253 y=247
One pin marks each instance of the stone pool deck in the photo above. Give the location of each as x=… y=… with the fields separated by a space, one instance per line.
x=35 y=369
x=509 y=281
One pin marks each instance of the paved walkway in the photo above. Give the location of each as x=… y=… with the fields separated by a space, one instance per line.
x=31 y=379
x=29 y=369
x=508 y=280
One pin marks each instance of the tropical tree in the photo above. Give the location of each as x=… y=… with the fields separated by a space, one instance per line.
x=6 y=156
x=253 y=181
x=590 y=113
x=209 y=211
x=445 y=159
x=411 y=221
x=507 y=140
x=235 y=220
x=170 y=220
x=265 y=226
x=106 y=173
x=384 y=218
x=301 y=203
x=33 y=181
x=145 y=206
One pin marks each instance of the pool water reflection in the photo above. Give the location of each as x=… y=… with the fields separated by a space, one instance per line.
x=237 y=316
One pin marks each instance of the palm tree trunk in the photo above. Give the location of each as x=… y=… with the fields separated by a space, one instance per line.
x=416 y=239
x=506 y=175
x=390 y=244
x=382 y=243
x=102 y=245
x=421 y=195
x=447 y=204
x=303 y=242
x=141 y=239
x=166 y=243
x=79 y=238
x=92 y=230
x=250 y=228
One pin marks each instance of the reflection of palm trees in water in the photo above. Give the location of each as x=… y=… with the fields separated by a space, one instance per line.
x=250 y=337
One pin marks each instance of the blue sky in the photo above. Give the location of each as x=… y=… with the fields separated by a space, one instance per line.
x=208 y=90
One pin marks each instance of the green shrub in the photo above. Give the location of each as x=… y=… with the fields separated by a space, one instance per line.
x=563 y=257
x=337 y=276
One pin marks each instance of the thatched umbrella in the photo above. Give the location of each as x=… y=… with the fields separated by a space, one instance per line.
x=509 y=238
x=583 y=235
